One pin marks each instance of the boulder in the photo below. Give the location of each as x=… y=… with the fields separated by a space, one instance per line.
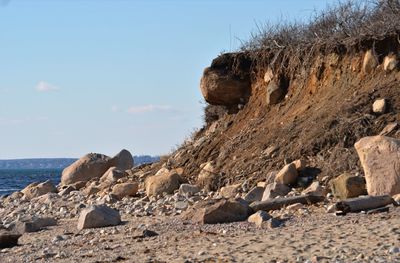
x=390 y=63
x=218 y=211
x=98 y=216
x=379 y=106
x=348 y=186
x=275 y=93
x=112 y=176
x=123 y=160
x=370 y=62
x=66 y=190
x=125 y=189
x=380 y=159
x=221 y=88
x=8 y=239
x=315 y=189
x=32 y=225
x=38 y=189
x=259 y=218
x=165 y=181
x=274 y=190
x=48 y=198
x=208 y=177
x=188 y=189
x=255 y=194
x=92 y=165
x=230 y=191
x=288 y=175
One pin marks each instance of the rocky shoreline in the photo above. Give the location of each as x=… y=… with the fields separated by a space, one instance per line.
x=100 y=207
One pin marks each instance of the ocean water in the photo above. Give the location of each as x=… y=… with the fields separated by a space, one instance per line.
x=15 y=180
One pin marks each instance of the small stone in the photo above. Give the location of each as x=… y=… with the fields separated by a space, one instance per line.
x=98 y=216
x=255 y=194
x=181 y=205
x=288 y=175
x=331 y=209
x=294 y=207
x=149 y=233
x=394 y=250
x=379 y=106
x=259 y=217
x=275 y=189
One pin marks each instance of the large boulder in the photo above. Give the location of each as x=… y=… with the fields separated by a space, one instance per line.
x=380 y=159
x=221 y=88
x=165 y=181
x=370 y=62
x=348 y=186
x=218 y=211
x=38 y=189
x=92 y=165
x=98 y=216
x=123 y=160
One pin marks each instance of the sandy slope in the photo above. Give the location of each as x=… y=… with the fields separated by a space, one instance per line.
x=315 y=236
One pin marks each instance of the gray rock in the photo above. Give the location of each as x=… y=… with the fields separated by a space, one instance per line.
x=8 y=239
x=255 y=194
x=275 y=189
x=188 y=189
x=98 y=216
x=33 y=224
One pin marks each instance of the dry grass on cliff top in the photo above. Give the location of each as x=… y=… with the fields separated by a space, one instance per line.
x=347 y=27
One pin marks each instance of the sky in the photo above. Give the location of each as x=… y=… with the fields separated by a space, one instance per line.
x=83 y=76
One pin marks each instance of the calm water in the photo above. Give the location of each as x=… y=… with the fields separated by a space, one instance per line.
x=15 y=180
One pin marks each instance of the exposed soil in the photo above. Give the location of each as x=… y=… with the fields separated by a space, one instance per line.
x=323 y=114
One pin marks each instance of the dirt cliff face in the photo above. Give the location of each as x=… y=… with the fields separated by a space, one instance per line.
x=325 y=110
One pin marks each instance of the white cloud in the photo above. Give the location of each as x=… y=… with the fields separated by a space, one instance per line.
x=43 y=86
x=148 y=108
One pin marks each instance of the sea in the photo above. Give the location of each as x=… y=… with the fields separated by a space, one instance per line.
x=16 y=180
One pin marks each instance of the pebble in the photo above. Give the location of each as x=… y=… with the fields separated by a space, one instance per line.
x=394 y=250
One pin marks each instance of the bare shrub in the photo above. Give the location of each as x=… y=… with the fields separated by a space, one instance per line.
x=346 y=27
x=213 y=113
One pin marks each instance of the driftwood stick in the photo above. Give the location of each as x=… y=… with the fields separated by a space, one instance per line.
x=278 y=203
x=364 y=203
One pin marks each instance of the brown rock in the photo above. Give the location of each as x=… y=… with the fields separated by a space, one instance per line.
x=275 y=189
x=208 y=177
x=379 y=106
x=125 y=189
x=221 y=88
x=315 y=189
x=230 y=191
x=112 y=176
x=288 y=175
x=348 y=186
x=92 y=189
x=218 y=211
x=380 y=158
x=92 y=165
x=165 y=181
x=370 y=62
x=390 y=63
x=299 y=164
x=259 y=218
x=38 y=189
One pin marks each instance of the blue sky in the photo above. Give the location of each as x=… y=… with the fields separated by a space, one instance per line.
x=84 y=76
